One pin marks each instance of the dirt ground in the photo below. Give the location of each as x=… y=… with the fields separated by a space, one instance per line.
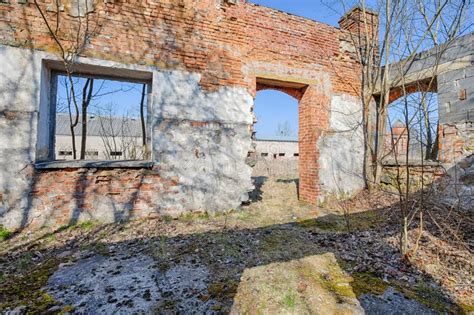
x=276 y=255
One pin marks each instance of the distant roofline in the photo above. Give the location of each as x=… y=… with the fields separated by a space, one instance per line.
x=276 y=140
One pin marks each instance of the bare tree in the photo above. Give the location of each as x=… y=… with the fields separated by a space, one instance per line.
x=86 y=99
x=407 y=27
x=284 y=129
x=118 y=134
x=71 y=38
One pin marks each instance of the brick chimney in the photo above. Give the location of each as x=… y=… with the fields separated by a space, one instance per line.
x=363 y=27
x=362 y=22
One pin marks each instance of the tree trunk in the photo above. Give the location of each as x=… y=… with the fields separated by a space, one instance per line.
x=86 y=98
x=142 y=116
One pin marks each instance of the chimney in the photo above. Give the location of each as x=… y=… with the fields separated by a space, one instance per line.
x=362 y=26
x=363 y=22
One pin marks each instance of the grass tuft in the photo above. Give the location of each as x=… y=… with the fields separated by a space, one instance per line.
x=4 y=233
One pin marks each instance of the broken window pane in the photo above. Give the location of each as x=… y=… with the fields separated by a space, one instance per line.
x=100 y=119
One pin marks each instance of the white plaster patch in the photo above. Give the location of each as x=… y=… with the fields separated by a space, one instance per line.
x=178 y=95
x=208 y=161
x=342 y=151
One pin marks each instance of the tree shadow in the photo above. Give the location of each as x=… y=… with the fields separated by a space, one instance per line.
x=257 y=194
x=230 y=256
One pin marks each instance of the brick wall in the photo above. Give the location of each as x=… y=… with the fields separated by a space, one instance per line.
x=228 y=45
x=71 y=195
x=216 y=41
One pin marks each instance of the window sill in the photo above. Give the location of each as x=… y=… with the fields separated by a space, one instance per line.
x=93 y=164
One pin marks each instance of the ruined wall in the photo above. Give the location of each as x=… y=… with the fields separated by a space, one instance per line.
x=456 y=102
x=447 y=69
x=203 y=60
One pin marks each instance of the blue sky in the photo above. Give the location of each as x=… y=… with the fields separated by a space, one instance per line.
x=312 y=9
x=271 y=107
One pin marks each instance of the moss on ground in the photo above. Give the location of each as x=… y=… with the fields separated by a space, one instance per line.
x=337 y=224
x=223 y=289
x=334 y=280
x=466 y=308
x=429 y=296
x=369 y=283
x=27 y=291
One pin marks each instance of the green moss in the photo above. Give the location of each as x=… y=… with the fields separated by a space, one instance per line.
x=25 y=261
x=361 y=221
x=4 y=233
x=466 y=308
x=427 y=295
x=330 y=224
x=289 y=300
x=67 y=309
x=101 y=249
x=224 y=289
x=368 y=283
x=167 y=218
x=187 y=217
x=26 y=290
x=86 y=225
x=50 y=237
x=335 y=281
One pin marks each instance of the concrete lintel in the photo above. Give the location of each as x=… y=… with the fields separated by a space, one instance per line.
x=105 y=69
x=93 y=164
x=284 y=82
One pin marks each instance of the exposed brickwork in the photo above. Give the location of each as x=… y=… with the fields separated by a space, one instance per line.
x=456 y=140
x=66 y=194
x=229 y=45
x=214 y=41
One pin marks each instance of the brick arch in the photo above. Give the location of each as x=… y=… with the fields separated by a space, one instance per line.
x=293 y=92
x=425 y=85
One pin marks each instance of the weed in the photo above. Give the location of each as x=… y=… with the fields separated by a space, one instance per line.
x=2 y=277
x=87 y=225
x=101 y=249
x=289 y=300
x=25 y=261
x=167 y=218
x=4 y=233
x=50 y=237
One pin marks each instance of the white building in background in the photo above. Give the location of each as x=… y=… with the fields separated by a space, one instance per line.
x=117 y=138
x=108 y=138
x=276 y=157
x=277 y=148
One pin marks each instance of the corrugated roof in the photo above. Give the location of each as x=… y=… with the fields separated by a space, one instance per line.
x=101 y=126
